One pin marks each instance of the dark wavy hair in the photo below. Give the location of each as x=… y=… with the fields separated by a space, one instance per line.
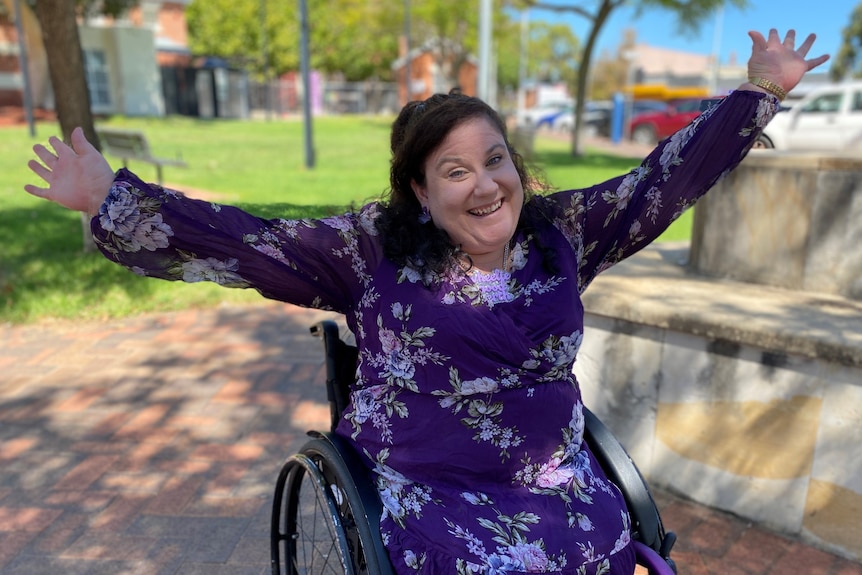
x=419 y=129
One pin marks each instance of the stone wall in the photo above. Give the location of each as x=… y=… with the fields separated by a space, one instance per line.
x=744 y=397
x=787 y=219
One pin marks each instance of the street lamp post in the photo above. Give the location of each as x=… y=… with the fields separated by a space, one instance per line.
x=306 y=83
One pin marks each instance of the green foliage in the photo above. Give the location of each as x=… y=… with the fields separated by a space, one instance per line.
x=848 y=62
x=360 y=40
x=357 y=39
x=553 y=53
x=689 y=13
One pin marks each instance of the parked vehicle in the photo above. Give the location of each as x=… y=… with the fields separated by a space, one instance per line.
x=828 y=118
x=651 y=127
x=599 y=122
x=596 y=115
x=544 y=113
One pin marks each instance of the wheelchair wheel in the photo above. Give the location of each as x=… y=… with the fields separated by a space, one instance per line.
x=320 y=522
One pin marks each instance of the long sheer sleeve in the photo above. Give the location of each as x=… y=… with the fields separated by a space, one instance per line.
x=609 y=222
x=157 y=232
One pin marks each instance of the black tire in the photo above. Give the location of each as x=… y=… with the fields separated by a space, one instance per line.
x=763 y=143
x=321 y=523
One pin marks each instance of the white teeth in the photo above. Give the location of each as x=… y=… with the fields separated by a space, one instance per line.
x=489 y=210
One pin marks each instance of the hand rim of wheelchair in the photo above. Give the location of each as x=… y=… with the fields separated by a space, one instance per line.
x=334 y=464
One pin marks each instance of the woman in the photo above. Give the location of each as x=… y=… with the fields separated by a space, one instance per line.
x=463 y=292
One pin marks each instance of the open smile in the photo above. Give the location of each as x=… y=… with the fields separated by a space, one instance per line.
x=488 y=210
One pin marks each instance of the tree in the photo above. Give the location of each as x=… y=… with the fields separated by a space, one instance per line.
x=689 y=15
x=848 y=63
x=611 y=72
x=356 y=39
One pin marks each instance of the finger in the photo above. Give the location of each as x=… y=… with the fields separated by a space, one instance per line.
x=814 y=62
x=773 y=36
x=790 y=39
x=36 y=191
x=60 y=147
x=806 y=45
x=44 y=154
x=757 y=40
x=40 y=170
x=80 y=143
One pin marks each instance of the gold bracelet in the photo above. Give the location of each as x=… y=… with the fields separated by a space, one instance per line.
x=770 y=87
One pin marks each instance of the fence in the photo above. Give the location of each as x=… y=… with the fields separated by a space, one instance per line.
x=284 y=97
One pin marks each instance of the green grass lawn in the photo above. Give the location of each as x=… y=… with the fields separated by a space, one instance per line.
x=258 y=165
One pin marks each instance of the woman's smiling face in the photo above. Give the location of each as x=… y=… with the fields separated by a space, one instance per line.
x=473 y=191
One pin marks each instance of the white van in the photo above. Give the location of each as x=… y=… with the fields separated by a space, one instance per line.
x=828 y=118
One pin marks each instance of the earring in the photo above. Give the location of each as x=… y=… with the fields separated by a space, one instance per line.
x=425 y=215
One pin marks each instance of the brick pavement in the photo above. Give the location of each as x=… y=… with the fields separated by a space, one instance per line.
x=150 y=446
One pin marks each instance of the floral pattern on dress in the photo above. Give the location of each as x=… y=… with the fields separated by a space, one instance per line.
x=465 y=406
x=396 y=363
x=483 y=414
x=400 y=496
x=514 y=552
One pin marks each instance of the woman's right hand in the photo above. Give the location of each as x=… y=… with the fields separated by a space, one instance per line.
x=78 y=177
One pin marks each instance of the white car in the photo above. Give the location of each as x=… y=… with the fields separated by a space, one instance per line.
x=828 y=118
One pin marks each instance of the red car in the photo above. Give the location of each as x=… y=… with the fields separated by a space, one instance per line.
x=652 y=127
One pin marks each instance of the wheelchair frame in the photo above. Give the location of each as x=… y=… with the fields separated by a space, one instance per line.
x=342 y=488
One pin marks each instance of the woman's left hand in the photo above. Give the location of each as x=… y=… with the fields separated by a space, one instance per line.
x=780 y=62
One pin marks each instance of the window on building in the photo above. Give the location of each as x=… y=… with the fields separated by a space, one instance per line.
x=96 y=69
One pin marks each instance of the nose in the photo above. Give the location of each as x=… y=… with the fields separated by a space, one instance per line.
x=486 y=185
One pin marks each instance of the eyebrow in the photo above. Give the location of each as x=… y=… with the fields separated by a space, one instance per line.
x=445 y=159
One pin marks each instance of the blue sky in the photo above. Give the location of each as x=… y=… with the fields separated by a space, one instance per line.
x=728 y=32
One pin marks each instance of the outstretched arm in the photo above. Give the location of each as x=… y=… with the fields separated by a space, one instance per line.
x=78 y=176
x=775 y=66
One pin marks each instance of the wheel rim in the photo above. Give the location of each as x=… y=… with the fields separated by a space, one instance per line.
x=312 y=536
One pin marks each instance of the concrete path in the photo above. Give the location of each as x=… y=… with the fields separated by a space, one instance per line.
x=150 y=446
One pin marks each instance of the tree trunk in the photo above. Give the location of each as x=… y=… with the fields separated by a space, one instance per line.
x=584 y=72
x=68 y=78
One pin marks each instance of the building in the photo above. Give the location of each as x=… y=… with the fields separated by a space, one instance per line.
x=136 y=65
x=428 y=75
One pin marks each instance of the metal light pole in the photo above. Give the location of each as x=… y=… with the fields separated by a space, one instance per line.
x=306 y=84
x=264 y=54
x=25 y=69
x=485 y=50
x=407 y=77
x=522 y=64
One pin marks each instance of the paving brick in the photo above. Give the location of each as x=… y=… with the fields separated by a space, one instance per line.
x=13 y=448
x=713 y=536
x=67 y=529
x=11 y=543
x=162 y=450
x=803 y=559
x=26 y=518
x=121 y=512
x=109 y=546
x=221 y=452
x=176 y=494
x=86 y=472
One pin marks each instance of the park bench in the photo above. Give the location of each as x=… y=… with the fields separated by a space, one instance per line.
x=132 y=145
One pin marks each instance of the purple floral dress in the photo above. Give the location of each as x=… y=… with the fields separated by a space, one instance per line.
x=465 y=404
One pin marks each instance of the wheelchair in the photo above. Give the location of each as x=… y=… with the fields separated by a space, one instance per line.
x=326 y=511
